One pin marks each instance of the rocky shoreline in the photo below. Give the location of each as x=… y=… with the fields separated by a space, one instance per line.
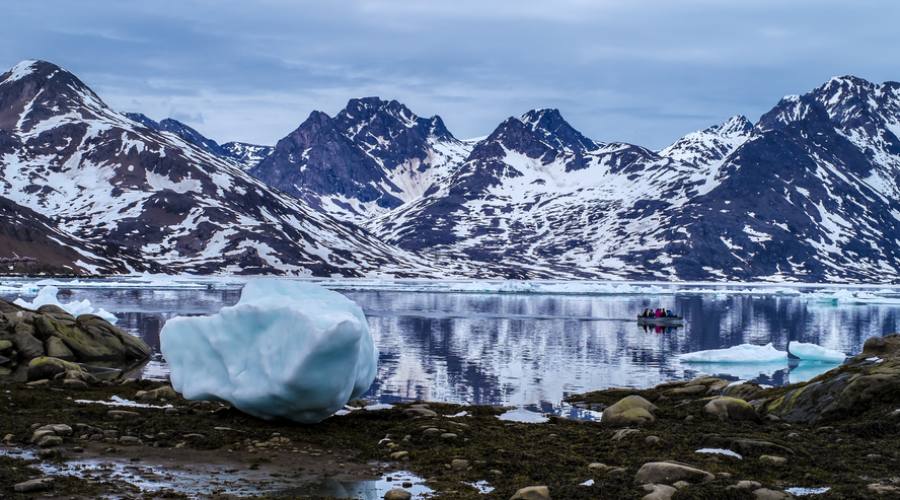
x=706 y=438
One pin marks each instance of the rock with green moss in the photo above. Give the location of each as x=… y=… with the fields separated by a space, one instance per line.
x=57 y=349
x=728 y=408
x=868 y=380
x=45 y=367
x=630 y=410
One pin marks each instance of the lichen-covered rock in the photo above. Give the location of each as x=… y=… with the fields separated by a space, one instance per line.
x=670 y=472
x=871 y=378
x=630 y=410
x=45 y=367
x=57 y=349
x=728 y=408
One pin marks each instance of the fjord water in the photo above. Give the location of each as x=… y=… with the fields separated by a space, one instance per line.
x=534 y=349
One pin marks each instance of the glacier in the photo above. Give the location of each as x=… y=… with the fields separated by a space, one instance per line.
x=744 y=353
x=48 y=296
x=287 y=349
x=813 y=352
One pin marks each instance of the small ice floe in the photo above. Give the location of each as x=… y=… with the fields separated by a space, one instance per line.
x=524 y=416
x=482 y=486
x=803 y=492
x=744 y=353
x=118 y=401
x=589 y=482
x=287 y=349
x=47 y=296
x=813 y=352
x=720 y=451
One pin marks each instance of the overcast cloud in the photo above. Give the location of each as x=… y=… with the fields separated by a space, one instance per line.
x=639 y=71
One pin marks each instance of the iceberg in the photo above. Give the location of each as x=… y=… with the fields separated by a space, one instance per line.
x=48 y=296
x=287 y=349
x=744 y=353
x=813 y=352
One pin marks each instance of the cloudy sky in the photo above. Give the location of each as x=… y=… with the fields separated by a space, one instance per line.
x=643 y=71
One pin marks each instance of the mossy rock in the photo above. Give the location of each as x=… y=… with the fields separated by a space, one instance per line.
x=57 y=349
x=45 y=367
x=728 y=408
x=26 y=343
x=6 y=345
x=133 y=348
x=630 y=410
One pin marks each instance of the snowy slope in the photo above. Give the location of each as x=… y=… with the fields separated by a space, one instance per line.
x=248 y=155
x=116 y=184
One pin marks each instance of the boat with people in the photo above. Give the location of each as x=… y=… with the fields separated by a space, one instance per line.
x=659 y=317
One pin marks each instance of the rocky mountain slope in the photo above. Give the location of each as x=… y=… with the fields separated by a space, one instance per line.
x=810 y=192
x=373 y=156
x=114 y=186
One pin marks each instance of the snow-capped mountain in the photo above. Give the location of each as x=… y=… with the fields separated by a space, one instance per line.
x=248 y=155
x=117 y=186
x=810 y=192
x=373 y=156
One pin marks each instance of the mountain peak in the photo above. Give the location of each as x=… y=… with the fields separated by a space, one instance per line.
x=555 y=130
x=735 y=125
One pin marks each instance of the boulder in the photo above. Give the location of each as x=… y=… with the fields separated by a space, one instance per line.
x=26 y=343
x=134 y=348
x=34 y=485
x=45 y=367
x=670 y=472
x=630 y=410
x=767 y=494
x=397 y=494
x=729 y=408
x=57 y=349
x=164 y=392
x=6 y=345
x=658 y=492
x=745 y=446
x=532 y=493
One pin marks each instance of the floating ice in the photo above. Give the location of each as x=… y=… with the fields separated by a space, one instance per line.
x=744 y=353
x=47 y=296
x=813 y=352
x=720 y=451
x=287 y=349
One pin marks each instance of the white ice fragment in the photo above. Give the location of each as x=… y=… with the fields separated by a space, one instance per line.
x=524 y=416
x=720 y=451
x=287 y=349
x=589 y=482
x=802 y=492
x=460 y=414
x=47 y=296
x=120 y=401
x=744 y=353
x=813 y=352
x=482 y=486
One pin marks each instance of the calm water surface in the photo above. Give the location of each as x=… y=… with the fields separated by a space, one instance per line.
x=533 y=350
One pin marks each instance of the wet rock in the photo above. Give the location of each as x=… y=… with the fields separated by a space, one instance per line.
x=397 y=494
x=532 y=493
x=680 y=485
x=72 y=383
x=883 y=489
x=400 y=455
x=49 y=454
x=34 y=485
x=689 y=390
x=745 y=485
x=58 y=429
x=670 y=472
x=729 y=408
x=652 y=440
x=8 y=439
x=26 y=343
x=165 y=392
x=122 y=414
x=6 y=346
x=658 y=492
x=49 y=441
x=459 y=464
x=772 y=459
x=129 y=441
x=624 y=433
x=745 y=391
x=745 y=446
x=767 y=494
x=448 y=436
x=45 y=367
x=630 y=410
